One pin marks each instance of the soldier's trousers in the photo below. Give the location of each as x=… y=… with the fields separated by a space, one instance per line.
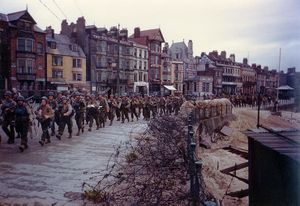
x=22 y=127
x=134 y=113
x=93 y=116
x=162 y=110
x=11 y=131
x=63 y=122
x=118 y=113
x=124 y=113
x=45 y=129
x=79 y=118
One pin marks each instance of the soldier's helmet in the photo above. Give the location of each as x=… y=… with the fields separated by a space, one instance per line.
x=51 y=94
x=77 y=94
x=63 y=98
x=8 y=93
x=44 y=98
x=20 y=98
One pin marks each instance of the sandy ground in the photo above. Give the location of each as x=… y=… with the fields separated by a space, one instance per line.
x=217 y=159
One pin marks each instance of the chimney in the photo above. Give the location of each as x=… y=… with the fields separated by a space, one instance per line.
x=80 y=25
x=190 y=49
x=223 y=54
x=50 y=31
x=124 y=34
x=64 y=27
x=245 y=61
x=232 y=57
x=166 y=48
x=137 y=32
x=266 y=68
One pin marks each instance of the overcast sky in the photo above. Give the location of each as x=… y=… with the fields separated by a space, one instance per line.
x=254 y=28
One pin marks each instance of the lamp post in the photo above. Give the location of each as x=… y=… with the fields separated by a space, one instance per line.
x=118 y=68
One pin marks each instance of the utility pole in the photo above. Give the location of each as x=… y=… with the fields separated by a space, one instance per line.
x=118 y=68
x=279 y=64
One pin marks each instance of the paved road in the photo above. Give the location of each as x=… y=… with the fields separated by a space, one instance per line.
x=48 y=174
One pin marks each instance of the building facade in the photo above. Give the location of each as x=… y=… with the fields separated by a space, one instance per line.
x=109 y=56
x=66 y=63
x=27 y=44
x=140 y=69
x=153 y=39
x=248 y=75
x=177 y=75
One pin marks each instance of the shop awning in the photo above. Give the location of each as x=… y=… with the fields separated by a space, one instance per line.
x=170 y=87
x=286 y=87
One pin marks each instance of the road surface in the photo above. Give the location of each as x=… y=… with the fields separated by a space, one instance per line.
x=52 y=174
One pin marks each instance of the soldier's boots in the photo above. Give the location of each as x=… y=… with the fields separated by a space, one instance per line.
x=52 y=134
x=22 y=147
x=58 y=136
x=110 y=124
x=42 y=142
x=70 y=135
x=47 y=141
x=90 y=129
x=78 y=133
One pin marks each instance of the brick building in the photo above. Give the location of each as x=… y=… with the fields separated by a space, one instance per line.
x=108 y=55
x=153 y=39
x=27 y=52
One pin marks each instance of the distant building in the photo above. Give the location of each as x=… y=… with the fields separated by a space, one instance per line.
x=153 y=39
x=109 y=56
x=248 y=75
x=26 y=46
x=140 y=69
x=66 y=63
x=177 y=78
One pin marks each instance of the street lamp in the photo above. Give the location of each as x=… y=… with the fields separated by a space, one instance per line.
x=118 y=68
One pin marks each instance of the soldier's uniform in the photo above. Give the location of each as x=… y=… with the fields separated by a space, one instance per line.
x=8 y=125
x=92 y=112
x=113 y=105
x=79 y=107
x=125 y=105
x=146 y=108
x=162 y=105
x=22 y=113
x=118 y=109
x=44 y=114
x=66 y=114
x=103 y=110
x=133 y=108
x=53 y=104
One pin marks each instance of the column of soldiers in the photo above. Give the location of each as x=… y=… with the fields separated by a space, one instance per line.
x=56 y=111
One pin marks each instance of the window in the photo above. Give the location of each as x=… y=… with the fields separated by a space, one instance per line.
x=57 y=61
x=140 y=64
x=73 y=47
x=57 y=73
x=25 y=66
x=101 y=61
x=145 y=54
x=98 y=77
x=101 y=46
x=27 y=26
x=135 y=77
x=76 y=63
x=25 y=44
x=145 y=65
x=77 y=77
x=51 y=44
x=39 y=48
x=21 y=66
x=29 y=66
x=29 y=45
x=140 y=76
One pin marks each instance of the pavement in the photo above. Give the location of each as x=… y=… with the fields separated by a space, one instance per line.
x=54 y=174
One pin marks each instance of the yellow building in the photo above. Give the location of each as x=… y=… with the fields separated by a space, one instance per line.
x=66 y=63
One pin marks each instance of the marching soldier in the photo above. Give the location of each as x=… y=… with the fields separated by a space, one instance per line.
x=92 y=112
x=79 y=107
x=162 y=106
x=66 y=112
x=103 y=110
x=44 y=114
x=125 y=105
x=53 y=104
x=113 y=105
x=22 y=113
x=133 y=108
x=8 y=125
x=118 y=109
x=146 y=108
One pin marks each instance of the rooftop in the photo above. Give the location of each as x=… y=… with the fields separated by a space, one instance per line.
x=286 y=143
